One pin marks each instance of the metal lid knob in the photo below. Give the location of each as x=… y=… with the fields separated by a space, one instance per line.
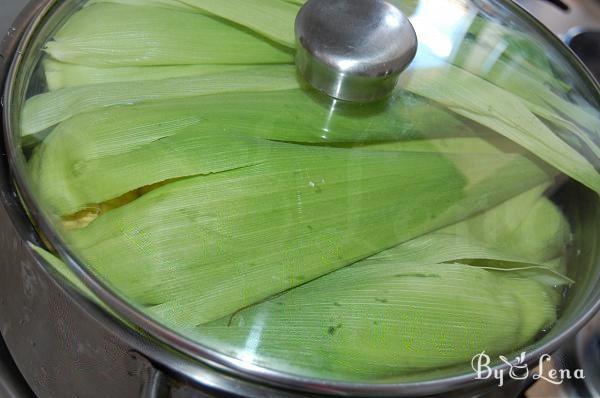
x=353 y=50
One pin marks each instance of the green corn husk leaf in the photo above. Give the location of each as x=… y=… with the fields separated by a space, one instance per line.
x=61 y=75
x=455 y=244
x=110 y=35
x=379 y=321
x=581 y=121
x=479 y=145
x=478 y=100
x=528 y=226
x=439 y=247
x=81 y=183
x=571 y=131
x=172 y=4
x=274 y=19
x=283 y=221
x=46 y=110
x=526 y=234
x=132 y=140
x=307 y=117
x=241 y=322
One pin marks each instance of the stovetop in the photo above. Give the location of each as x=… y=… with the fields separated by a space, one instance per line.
x=566 y=18
x=577 y=22
x=12 y=384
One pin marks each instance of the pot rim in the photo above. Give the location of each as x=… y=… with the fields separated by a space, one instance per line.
x=23 y=32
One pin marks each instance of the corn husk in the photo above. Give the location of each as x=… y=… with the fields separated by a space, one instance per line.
x=529 y=226
x=527 y=234
x=45 y=110
x=283 y=220
x=61 y=75
x=272 y=18
x=108 y=34
x=411 y=308
x=243 y=225
x=543 y=94
x=378 y=321
x=126 y=141
x=505 y=113
x=171 y=4
x=483 y=144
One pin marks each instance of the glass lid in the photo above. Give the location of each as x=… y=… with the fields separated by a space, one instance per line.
x=201 y=160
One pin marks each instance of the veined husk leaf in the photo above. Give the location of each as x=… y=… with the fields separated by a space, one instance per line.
x=46 y=110
x=464 y=241
x=536 y=93
x=492 y=144
x=527 y=234
x=483 y=102
x=307 y=117
x=302 y=213
x=298 y=215
x=173 y=137
x=81 y=183
x=440 y=247
x=528 y=226
x=108 y=34
x=173 y=4
x=379 y=318
x=60 y=75
x=274 y=19
x=378 y=321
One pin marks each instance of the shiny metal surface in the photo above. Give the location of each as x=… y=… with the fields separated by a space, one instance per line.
x=567 y=21
x=587 y=346
x=577 y=22
x=586 y=45
x=353 y=50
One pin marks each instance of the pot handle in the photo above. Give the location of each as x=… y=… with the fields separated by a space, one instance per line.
x=159 y=383
x=155 y=383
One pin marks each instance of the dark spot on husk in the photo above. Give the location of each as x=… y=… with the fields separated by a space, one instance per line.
x=333 y=329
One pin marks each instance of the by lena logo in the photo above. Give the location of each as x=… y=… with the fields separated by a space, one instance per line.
x=520 y=370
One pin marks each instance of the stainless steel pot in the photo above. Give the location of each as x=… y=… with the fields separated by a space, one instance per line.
x=67 y=345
